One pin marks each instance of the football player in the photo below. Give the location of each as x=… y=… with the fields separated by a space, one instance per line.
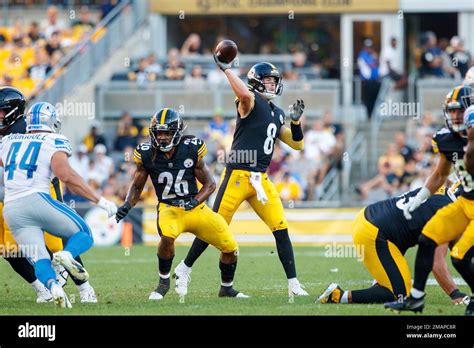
x=453 y=222
x=12 y=120
x=175 y=163
x=29 y=210
x=382 y=235
x=259 y=124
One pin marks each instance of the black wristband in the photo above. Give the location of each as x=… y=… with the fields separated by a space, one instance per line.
x=456 y=294
x=296 y=131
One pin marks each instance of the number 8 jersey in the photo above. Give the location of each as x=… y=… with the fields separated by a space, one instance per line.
x=255 y=136
x=27 y=162
x=173 y=178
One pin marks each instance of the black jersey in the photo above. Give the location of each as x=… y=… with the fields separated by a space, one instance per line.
x=255 y=136
x=173 y=178
x=388 y=216
x=452 y=145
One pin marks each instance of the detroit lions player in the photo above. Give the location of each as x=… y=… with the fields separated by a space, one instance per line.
x=30 y=160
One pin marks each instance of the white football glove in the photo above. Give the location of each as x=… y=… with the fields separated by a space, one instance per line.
x=413 y=204
x=108 y=206
x=222 y=65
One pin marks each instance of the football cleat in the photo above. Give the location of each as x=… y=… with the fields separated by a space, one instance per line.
x=61 y=274
x=65 y=259
x=161 y=290
x=409 y=303
x=59 y=296
x=296 y=289
x=229 y=291
x=88 y=295
x=332 y=294
x=182 y=274
x=43 y=295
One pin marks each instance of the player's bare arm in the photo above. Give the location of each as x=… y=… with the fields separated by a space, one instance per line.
x=241 y=91
x=205 y=178
x=443 y=275
x=135 y=190
x=61 y=168
x=440 y=174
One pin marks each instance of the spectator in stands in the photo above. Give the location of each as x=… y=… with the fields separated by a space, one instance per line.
x=107 y=6
x=140 y=74
x=461 y=59
x=431 y=60
x=192 y=45
x=42 y=66
x=153 y=67
x=53 y=44
x=448 y=69
x=196 y=80
x=368 y=64
x=288 y=188
x=3 y=41
x=425 y=128
x=80 y=161
x=84 y=23
x=127 y=133
x=218 y=128
x=104 y=165
x=34 y=33
x=390 y=64
x=94 y=137
x=402 y=147
x=174 y=70
x=337 y=130
x=52 y=23
x=216 y=76
x=410 y=173
x=305 y=172
x=391 y=168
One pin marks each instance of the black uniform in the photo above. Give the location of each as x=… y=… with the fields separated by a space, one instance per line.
x=173 y=178
x=257 y=133
x=388 y=216
x=451 y=144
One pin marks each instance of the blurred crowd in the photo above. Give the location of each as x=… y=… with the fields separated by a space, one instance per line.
x=29 y=51
x=107 y=164
x=407 y=163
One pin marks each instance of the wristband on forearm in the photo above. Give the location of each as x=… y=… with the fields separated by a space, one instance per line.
x=296 y=132
x=456 y=294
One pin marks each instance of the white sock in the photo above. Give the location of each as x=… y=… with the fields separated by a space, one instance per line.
x=227 y=284
x=416 y=293
x=345 y=297
x=37 y=285
x=84 y=286
x=165 y=276
x=293 y=281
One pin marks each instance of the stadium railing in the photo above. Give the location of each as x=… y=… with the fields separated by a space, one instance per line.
x=78 y=66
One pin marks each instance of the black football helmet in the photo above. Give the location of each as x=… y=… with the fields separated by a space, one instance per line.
x=166 y=120
x=460 y=97
x=256 y=75
x=12 y=103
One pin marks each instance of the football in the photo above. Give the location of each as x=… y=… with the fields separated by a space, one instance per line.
x=226 y=51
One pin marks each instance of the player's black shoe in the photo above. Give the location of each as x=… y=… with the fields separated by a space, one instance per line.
x=409 y=303
x=229 y=291
x=161 y=290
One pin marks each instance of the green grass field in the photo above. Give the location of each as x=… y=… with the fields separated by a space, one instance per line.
x=123 y=283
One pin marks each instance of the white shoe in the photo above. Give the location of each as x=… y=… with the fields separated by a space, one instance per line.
x=43 y=295
x=65 y=259
x=59 y=296
x=88 y=295
x=61 y=274
x=155 y=296
x=182 y=273
x=296 y=289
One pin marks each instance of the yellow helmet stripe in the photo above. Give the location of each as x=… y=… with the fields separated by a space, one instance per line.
x=456 y=92
x=163 y=115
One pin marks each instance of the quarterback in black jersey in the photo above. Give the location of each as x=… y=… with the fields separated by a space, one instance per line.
x=174 y=163
x=382 y=235
x=259 y=124
x=453 y=222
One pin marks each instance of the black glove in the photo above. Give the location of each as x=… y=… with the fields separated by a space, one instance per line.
x=296 y=110
x=122 y=211
x=457 y=294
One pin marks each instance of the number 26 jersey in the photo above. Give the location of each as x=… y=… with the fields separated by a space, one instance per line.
x=173 y=178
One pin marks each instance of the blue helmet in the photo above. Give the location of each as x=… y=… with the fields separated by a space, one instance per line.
x=43 y=117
